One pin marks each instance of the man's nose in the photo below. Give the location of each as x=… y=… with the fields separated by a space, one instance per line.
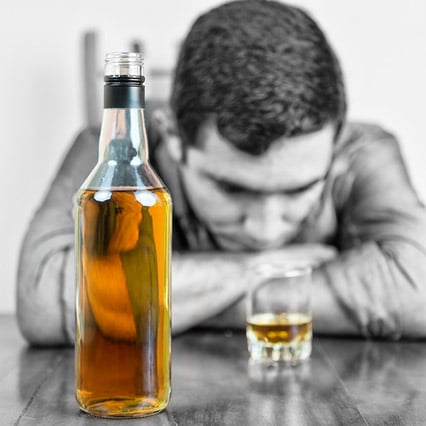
x=265 y=219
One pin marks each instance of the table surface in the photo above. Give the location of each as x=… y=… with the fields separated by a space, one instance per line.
x=346 y=382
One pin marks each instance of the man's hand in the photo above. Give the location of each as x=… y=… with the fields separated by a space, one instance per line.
x=293 y=256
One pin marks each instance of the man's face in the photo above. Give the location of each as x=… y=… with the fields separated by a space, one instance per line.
x=256 y=202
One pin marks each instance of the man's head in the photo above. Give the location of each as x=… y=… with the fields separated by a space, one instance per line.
x=264 y=69
x=258 y=99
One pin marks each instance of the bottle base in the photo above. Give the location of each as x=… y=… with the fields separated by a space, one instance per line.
x=123 y=408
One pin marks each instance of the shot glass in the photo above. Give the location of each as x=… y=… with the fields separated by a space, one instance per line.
x=279 y=317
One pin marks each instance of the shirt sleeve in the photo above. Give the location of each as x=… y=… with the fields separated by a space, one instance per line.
x=379 y=276
x=46 y=271
x=44 y=261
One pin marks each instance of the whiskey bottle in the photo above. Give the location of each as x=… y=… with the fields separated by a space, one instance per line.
x=123 y=259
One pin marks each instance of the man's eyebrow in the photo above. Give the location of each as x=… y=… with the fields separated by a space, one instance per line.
x=238 y=187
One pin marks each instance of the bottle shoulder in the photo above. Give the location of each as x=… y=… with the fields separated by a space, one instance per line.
x=121 y=174
x=122 y=196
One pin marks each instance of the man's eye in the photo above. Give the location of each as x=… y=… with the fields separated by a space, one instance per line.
x=230 y=188
x=304 y=190
x=296 y=193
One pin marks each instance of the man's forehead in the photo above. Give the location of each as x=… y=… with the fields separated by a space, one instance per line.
x=288 y=162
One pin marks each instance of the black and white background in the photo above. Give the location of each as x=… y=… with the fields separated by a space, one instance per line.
x=381 y=44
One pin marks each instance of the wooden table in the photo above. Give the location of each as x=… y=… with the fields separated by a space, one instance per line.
x=346 y=382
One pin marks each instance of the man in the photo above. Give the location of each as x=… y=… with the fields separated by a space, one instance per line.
x=262 y=167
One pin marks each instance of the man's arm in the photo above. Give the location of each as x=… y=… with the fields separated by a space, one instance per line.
x=329 y=316
x=209 y=289
x=378 y=279
x=204 y=285
x=45 y=285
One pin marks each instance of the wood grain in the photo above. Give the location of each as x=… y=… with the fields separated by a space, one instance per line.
x=346 y=382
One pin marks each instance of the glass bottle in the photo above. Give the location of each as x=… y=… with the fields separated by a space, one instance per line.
x=123 y=259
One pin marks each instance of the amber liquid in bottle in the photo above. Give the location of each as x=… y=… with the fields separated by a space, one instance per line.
x=123 y=308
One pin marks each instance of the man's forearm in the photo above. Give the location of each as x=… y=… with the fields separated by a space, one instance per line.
x=378 y=289
x=209 y=289
x=329 y=317
x=205 y=285
x=44 y=271
x=45 y=296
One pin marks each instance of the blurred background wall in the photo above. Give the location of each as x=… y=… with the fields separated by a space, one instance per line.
x=380 y=43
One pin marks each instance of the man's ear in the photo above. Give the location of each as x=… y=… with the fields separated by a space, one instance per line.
x=165 y=123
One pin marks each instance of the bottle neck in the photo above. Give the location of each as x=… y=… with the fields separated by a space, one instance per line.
x=123 y=147
x=123 y=136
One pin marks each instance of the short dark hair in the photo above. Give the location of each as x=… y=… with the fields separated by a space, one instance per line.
x=263 y=68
